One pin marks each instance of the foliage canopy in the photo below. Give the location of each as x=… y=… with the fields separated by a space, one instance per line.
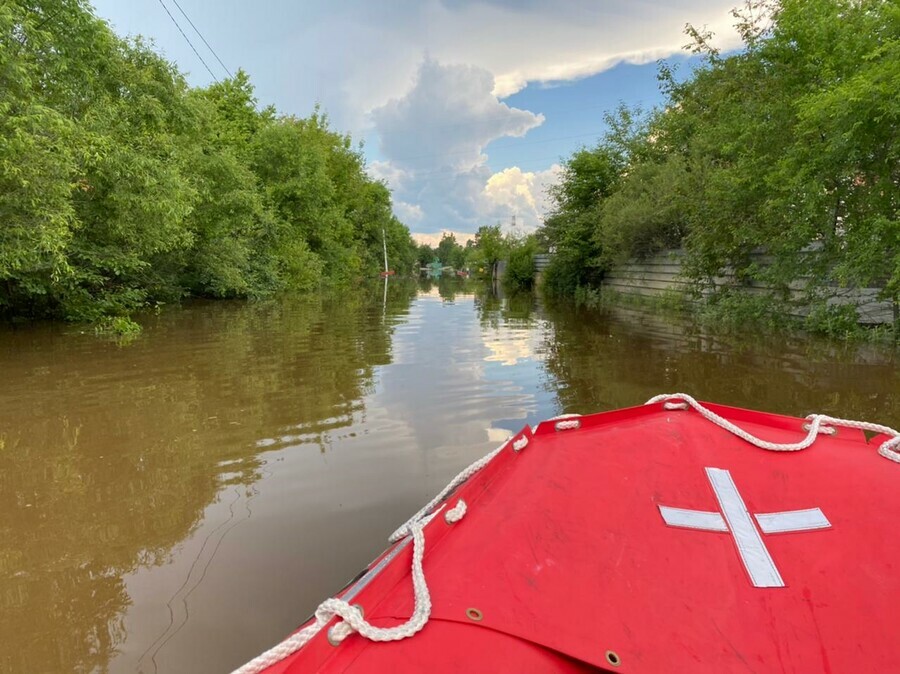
x=122 y=187
x=788 y=146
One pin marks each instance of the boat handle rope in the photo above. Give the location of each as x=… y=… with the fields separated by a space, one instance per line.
x=817 y=423
x=352 y=616
x=353 y=620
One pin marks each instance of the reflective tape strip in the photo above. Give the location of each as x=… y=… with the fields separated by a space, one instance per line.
x=692 y=519
x=793 y=520
x=753 y=552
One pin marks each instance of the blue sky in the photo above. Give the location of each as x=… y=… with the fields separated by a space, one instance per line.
x=574 y=113
x=466 y=107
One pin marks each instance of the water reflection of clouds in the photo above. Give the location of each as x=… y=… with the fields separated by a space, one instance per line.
x=444 y=384
x=510 y=346
x=498 y=435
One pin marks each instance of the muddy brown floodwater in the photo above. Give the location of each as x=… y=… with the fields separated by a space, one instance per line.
x=180 y=503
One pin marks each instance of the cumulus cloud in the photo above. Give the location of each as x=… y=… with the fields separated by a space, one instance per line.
x=539 y=42
x=523 y=194
x=355 y=55
x=446 y=119
x=433 y=138
x=362 y=61
x=408 y=213
x=393 y=176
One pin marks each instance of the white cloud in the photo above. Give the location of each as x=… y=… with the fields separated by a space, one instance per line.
x=408 y=213
x=446 y=118
x=519 y=42
x=433 y=138
x=523 y=194
x=434 y=238
x=354 y=56
x=363 y=62
x=393 y=176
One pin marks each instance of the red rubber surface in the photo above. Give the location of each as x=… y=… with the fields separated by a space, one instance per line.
x=566 y=555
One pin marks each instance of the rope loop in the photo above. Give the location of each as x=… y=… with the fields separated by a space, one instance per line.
x=352 y=618
x=817 y=423
x=566 y=422
x=827 y=430
x=889 y=450
x=456 y=513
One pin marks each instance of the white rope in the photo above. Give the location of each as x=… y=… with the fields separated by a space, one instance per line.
x=888 y=449
x=352 y=617
x=461 y=477
x=456 y=513
x=566 y=422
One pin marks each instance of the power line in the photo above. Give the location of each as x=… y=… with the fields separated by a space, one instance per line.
x=188 y=41
x=196 y=30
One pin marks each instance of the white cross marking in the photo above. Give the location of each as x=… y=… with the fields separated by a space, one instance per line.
x=735 y=518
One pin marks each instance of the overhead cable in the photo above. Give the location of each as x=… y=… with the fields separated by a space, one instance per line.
x=188 y=41
x=208 y=46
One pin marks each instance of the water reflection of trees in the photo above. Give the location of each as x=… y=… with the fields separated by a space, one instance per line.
x=496 y=308
x=109 y=456
x=605 y=360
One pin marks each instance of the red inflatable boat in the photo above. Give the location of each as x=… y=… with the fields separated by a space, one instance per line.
x=672 y=537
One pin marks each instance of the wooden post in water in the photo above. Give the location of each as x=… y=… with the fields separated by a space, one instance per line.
x=895 y=305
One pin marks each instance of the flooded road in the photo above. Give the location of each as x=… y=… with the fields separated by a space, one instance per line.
x=180 y=503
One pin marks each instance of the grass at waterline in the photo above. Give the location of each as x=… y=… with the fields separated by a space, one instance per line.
x=738 y=311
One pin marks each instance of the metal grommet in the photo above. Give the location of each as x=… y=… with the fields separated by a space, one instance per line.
x=474 y=614
x=613 y=658
x=330 y=636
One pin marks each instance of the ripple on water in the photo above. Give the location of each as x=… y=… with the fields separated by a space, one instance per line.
x=187 y=499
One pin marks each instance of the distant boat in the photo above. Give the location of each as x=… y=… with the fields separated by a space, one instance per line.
x=658 y=538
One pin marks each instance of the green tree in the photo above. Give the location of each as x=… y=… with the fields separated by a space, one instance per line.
x=519 y=273
x=489 y=247
x=588 y=178
x=120 y=186
x=425 y=254
x=450 y=252
x=787 y=146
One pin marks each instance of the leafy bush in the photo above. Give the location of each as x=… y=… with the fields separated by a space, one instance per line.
x=520 y=268
x=120 y=185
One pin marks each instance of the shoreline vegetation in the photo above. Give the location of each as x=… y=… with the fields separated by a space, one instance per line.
x=124 y=189
x=788 y=146
x=738 y=314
